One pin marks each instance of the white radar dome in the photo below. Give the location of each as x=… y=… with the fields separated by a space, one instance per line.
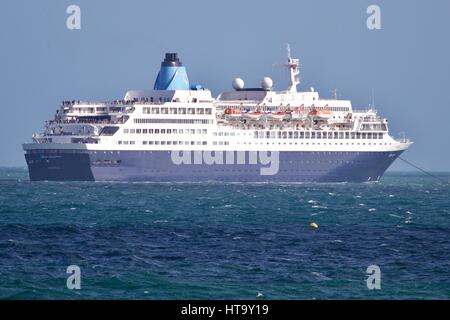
x=267 y=83
x=238 y=84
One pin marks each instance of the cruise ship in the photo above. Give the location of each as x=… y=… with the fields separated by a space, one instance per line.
x=179 y=132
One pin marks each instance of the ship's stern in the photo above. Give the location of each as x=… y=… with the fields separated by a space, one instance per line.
x=47 y=162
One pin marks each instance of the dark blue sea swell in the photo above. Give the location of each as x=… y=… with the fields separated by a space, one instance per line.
x=224 y=240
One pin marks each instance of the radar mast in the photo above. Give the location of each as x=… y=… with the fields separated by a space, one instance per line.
x=293 y=65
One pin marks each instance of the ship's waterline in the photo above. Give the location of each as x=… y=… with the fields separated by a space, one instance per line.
x=230 y=166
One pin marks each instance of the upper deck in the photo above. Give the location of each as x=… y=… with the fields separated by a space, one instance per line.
x=175 y=114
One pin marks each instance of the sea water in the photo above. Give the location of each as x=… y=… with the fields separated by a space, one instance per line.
x=224 y=240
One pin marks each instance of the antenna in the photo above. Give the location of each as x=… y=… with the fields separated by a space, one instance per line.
x=293 y=65
x=373 y=98
x=335 y=93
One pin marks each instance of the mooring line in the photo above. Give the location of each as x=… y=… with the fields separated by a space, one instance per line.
x=424 y=171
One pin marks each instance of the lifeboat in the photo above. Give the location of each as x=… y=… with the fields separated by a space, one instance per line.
x=323 y=114
x=280 y=115
x=234 y=113
x=255 y=115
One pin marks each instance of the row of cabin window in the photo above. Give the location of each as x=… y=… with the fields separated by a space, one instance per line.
x=166 y=110
x=224 y=134
x=374 y=127
x=166 y=131
x=179 y=121
x=318 y=143
x=163 y=143
x=315 y=135
x=341 y=109
x=175 y=143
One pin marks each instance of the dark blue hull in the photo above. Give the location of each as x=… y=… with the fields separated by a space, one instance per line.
x=83 y=165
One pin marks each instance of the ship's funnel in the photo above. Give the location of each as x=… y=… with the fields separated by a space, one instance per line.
x=172 y=75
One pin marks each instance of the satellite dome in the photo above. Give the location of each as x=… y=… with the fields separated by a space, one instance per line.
x=238 y=84
x=267 y=83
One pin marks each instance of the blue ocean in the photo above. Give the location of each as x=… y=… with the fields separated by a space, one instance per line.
x=225 y=240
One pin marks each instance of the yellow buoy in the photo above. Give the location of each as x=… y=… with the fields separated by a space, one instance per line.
x=314 y=225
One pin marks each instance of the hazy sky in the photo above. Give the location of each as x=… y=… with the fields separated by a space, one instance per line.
x=121 y=44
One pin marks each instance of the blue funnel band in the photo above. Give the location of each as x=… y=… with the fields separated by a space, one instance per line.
x=172 y=78
x=172 y=75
